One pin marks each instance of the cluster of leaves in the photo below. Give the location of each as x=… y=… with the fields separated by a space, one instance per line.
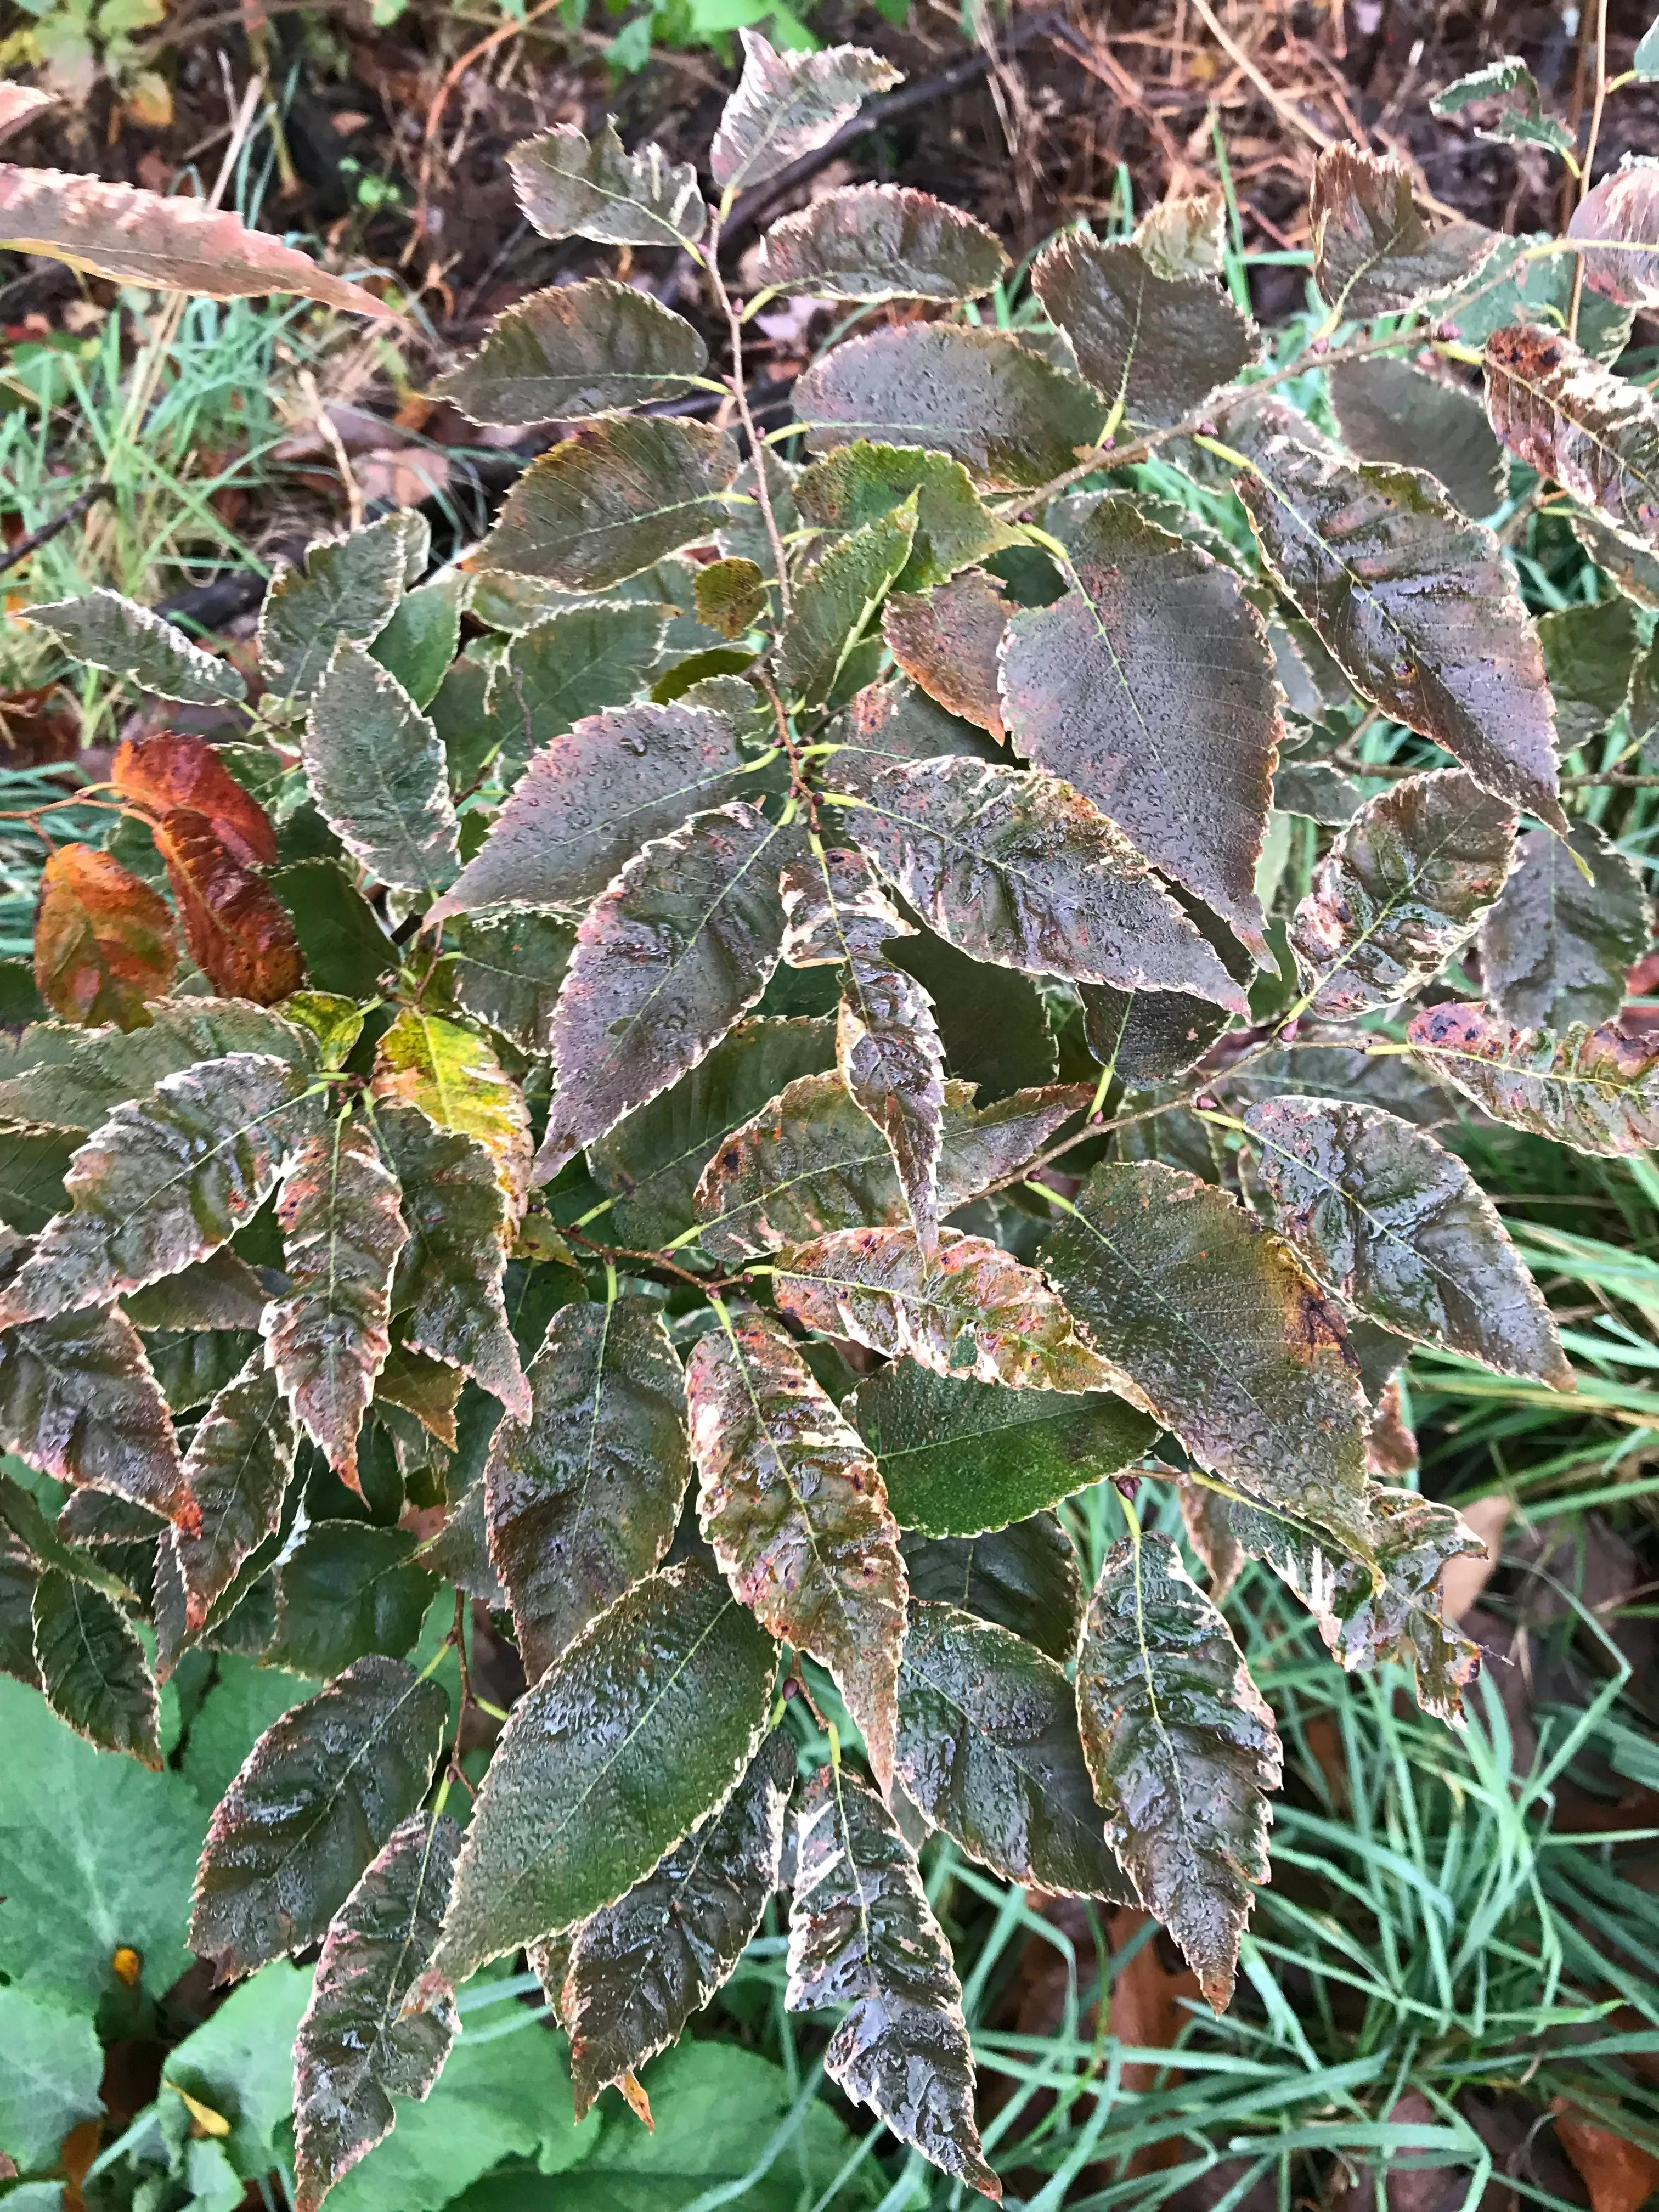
x=673 y=1035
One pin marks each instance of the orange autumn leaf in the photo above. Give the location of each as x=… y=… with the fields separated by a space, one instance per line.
x=1619 y=2175
x=103 y=941
x=159 y=775
x=239 y=933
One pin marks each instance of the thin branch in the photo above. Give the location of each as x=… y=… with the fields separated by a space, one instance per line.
x=43 y=536
x=756 y=450
x=1589 y=157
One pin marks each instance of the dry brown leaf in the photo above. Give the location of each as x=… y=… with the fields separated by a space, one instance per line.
x=240 y=934
x=160 y=774
x=1619 y=2175
x=103 y=941
x=1465 y=1578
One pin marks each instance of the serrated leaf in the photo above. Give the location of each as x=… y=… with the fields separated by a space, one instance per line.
x=103 y=939
x=569 y=665
x=1401 y=891
x=793 y=1505
x=862 y=1934
x=1594 y=433
x=33 y=1165
x=1594 y=1090
x=1390 y=411
x=572 y=185
x=239 y=1466
x=1588 y=655
x=1213 y=1327
x=1623 y=208
x=448 y=1286
x=238 y=932
x=666 y=959
x=645 y=1725
x=811 y=1161
x=613 y=499
x=1555 y=949
x=1509 y=87
x=345 y=1589
x=193 y=1365
x=730 y=596
x=977 y=395
x=356 y=2049
x=834 y=910
x=376 y=770
x=583 y=1496
x=508 y=969
x=970 y=1310
x=1149 y=687
x=78 y=1400
x=111 y=632
x=989 y=1748
x=590 y=799
x=1635 y=573
x=890 y=1057
x=63 y=1078
x=860 y=482
x=788 y=104
x=651 y=1160
x=1399 y=1227
x=1317 y=792
x=1151 y=1037
x=92 y=1667
x=1375 y=251
x=347 y=587
x=162 y=1183
x=1020 y=869
x=316 y=1797
x=1185 y=234
x=1206 y=1519
x=639 y=1969
x=1154 y=346
x=837 y=599
x=881 y=242
x=959 y=1458
x=948 y=640
x=456 y=1080
x=159 y=774
x=575 y=350
x=1024 y=1578
x=1182 y=1752
x=1414 y=603
x=170 y=242
x=343 y=1234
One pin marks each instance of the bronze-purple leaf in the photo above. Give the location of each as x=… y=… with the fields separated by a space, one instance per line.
x=948 y=640
x=1557 y=945
x=1594 y=1090
x=79 y=1401
x=835 y=910
x=891 y=1060
x=1594 y=433
x=1154 y=347
x=881 y=242
x=239 y=1466
x=1375 y=250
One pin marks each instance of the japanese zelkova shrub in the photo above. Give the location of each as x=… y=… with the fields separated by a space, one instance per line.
x=701 y=1114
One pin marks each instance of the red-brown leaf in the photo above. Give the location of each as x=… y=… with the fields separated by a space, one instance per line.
x=162 y=774
x=239 y=934
x=948 y=638
x=103 y=941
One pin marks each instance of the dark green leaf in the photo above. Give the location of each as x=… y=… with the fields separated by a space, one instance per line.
x=319 y=1794
x=1315 y=789
x=92 y=1667
x=239 y=1466
x=1596 y=1089
x=508 y=971
x=1154 y=346
x=881 y=242
x=582 y=1498
x=837 y=599
x=730 y=596
x=1375 y=251
x=1149 y=687
x=1401 y=891
x=356 y=2048
x=666 y=960
x=645 y=1724
x=345 y=1590
x=1594 y=433
x=593 y=798
x=1509 y=89
x=1214 y=1327
x=1415 y=603
x=342 y=1233
x=193 y=1365
x=612 y=500
x=573 y=350
x=376 y=769
x=862 y=1934
x=1555 y=949
x=793 y=1505
x=1389 y=411
x=977 y=395
x=1588 y=654
x=108 y=631
x=347 y=588
x=989 y=1749
x=1182 y=1752
x=970 y=1311
x=63 y=1078
x=19 y=1577
x=1151 y=1037
x=1400 y=1228
x=788 y=104
x=640 y=1968
x=344 y=946
x=993 y=1019
x=959 y=1457
x=1024 y=1578
x=651 y=1160
x=860 y=483
x=78 y=1400
x=589 y=187
x=33 y=1165
x=1322 y=1065
x=419 y=643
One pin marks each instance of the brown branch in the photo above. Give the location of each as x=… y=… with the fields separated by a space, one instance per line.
x=43 y=536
